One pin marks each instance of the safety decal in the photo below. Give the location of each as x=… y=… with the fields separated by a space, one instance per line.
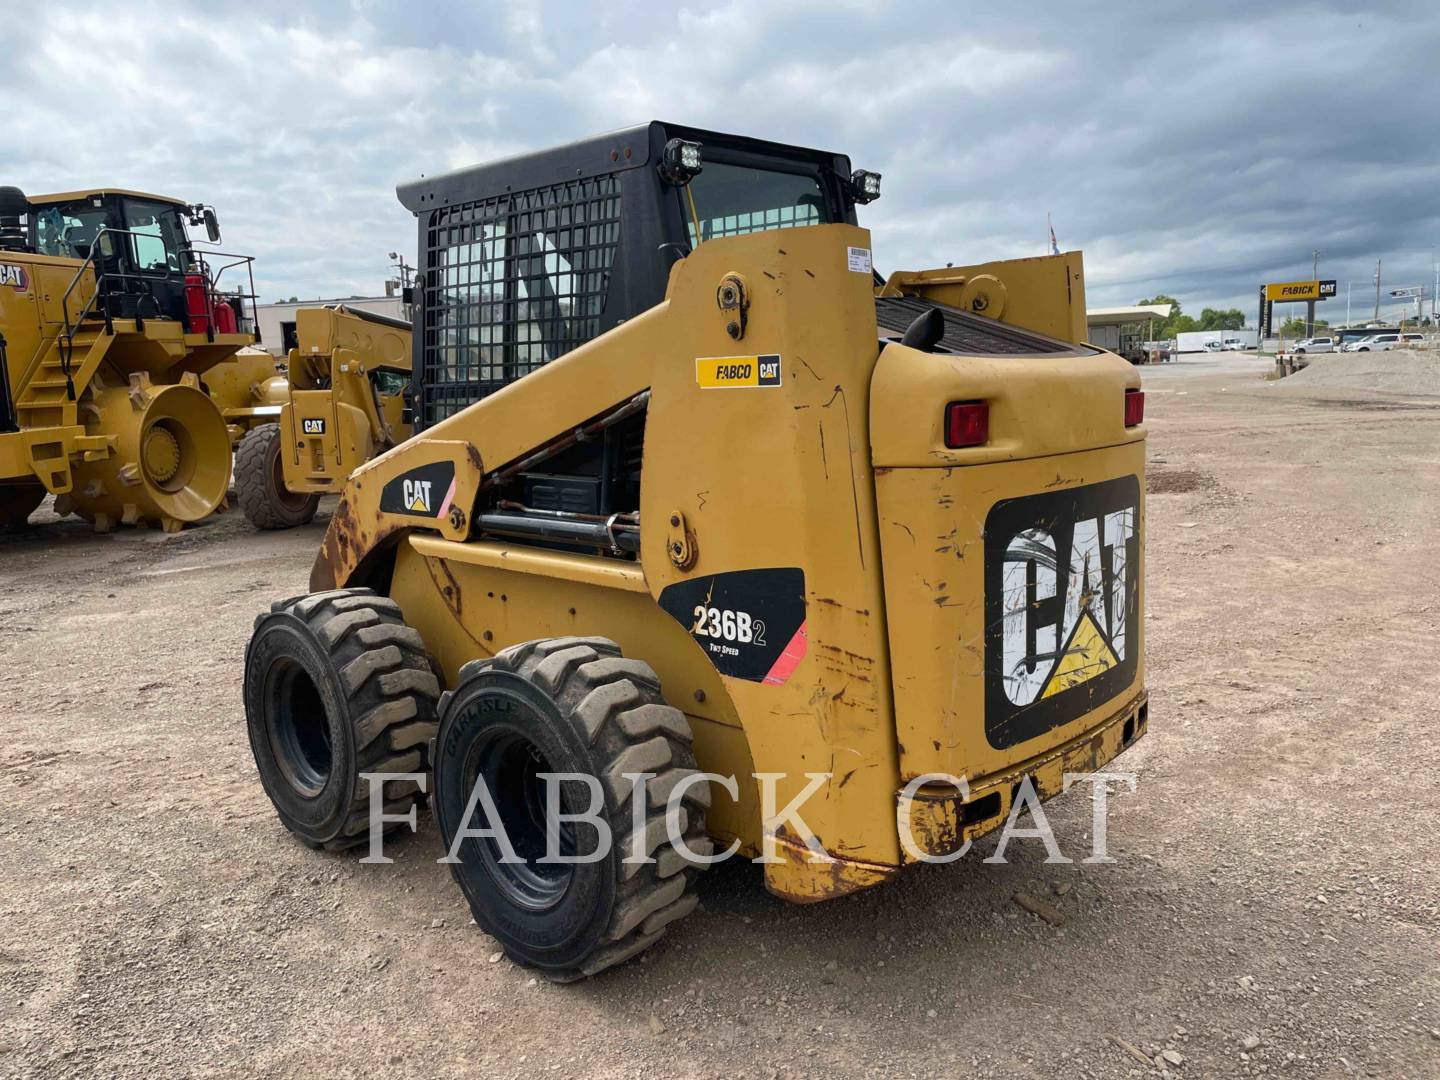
x=737 y=372
x=858 y=260
x=425 y=491
x=17 y=277
x=751 y=623
x=1061 y=599
x=313 y=425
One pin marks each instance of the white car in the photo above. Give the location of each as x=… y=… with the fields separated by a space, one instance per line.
x=1315 y=345
x=1234 y=345
x=1212 y=346
x=1385 y=342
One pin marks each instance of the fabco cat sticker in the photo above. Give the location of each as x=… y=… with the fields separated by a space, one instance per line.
x=1061 y=602
x=737 y=372
x=426 y=491
x=751 y=623
x=17 y=277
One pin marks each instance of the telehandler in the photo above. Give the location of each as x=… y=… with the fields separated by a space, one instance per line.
x=108 y=318
x=692 y=488
x=347 y=400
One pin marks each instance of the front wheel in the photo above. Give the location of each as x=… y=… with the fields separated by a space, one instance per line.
x=569 y=706
x=337 y=685
x=260 y=483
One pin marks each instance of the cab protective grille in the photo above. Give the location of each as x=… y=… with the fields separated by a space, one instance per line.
x=511 y=283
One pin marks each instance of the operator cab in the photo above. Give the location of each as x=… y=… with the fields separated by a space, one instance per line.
x=525 y=259
x=146 y=265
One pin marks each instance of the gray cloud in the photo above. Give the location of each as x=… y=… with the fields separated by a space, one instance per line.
x=1195 y=149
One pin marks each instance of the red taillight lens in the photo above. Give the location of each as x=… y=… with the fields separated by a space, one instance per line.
x=967 y=423
x=1134 y=407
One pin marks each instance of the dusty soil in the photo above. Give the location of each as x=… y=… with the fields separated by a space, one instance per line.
x=1275 y=907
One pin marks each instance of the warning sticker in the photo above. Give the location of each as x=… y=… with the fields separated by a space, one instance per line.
x=859 y=260
x=737 y=372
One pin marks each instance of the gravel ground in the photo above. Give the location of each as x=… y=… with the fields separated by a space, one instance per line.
x=1406 y=372
x=1273 y=910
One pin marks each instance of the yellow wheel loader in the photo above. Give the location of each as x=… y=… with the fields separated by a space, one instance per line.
x=109 y=317
x=709 y=538
x=346 y=400
x=250 y=389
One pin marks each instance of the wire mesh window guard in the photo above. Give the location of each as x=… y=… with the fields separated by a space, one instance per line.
x=511 y=283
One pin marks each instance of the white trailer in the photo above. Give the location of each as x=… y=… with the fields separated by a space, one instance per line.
x=1194 y=341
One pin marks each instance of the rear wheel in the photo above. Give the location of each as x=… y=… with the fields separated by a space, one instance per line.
x=260 y=483
x=337 y=685
x=17 y=503
x=568 y=705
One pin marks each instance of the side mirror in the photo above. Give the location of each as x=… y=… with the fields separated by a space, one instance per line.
x=212 y=225
x=107 y=245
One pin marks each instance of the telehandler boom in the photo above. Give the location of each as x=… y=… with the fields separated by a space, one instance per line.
x=692 y=488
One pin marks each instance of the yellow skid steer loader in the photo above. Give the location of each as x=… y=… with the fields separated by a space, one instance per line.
x=712 y=538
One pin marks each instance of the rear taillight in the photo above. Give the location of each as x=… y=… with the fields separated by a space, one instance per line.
x=1134 y=407
x=967 y=423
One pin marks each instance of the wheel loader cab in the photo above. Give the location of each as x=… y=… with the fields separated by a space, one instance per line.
x=147 y=266
x=692 y=488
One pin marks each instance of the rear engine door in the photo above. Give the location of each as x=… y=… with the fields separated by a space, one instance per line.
x=1013 y=568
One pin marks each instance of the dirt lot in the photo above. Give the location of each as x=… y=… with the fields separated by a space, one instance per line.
x=1275 y=907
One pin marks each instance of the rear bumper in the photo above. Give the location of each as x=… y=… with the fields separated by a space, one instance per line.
x=942 y=821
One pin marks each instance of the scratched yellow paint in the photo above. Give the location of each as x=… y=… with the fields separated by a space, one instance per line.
x=784 y=476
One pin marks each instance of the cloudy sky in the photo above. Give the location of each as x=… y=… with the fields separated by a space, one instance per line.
x=1191 y=148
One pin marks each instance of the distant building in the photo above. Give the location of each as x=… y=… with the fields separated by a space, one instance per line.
x=277 y=321
x=1123 y=330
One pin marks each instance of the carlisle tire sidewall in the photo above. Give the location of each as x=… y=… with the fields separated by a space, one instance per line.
x=562 y=935
x=283 y=639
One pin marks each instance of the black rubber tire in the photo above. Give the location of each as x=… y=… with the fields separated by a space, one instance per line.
x=18 y=502
x=576 y=705
x=335 y=685
x=260 y=485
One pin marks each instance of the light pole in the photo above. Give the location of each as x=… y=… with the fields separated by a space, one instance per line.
x=398 y=260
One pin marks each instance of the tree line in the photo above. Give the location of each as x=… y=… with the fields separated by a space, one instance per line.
x=1180 y=323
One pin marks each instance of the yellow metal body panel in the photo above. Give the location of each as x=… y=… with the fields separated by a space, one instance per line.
x=932 y=526
x=1045 y=294
x=336 y=419
x=249 y=390
x=96 y=193
x=765 y=470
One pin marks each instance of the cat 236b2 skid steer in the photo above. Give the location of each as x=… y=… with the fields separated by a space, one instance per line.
x=693 y=488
